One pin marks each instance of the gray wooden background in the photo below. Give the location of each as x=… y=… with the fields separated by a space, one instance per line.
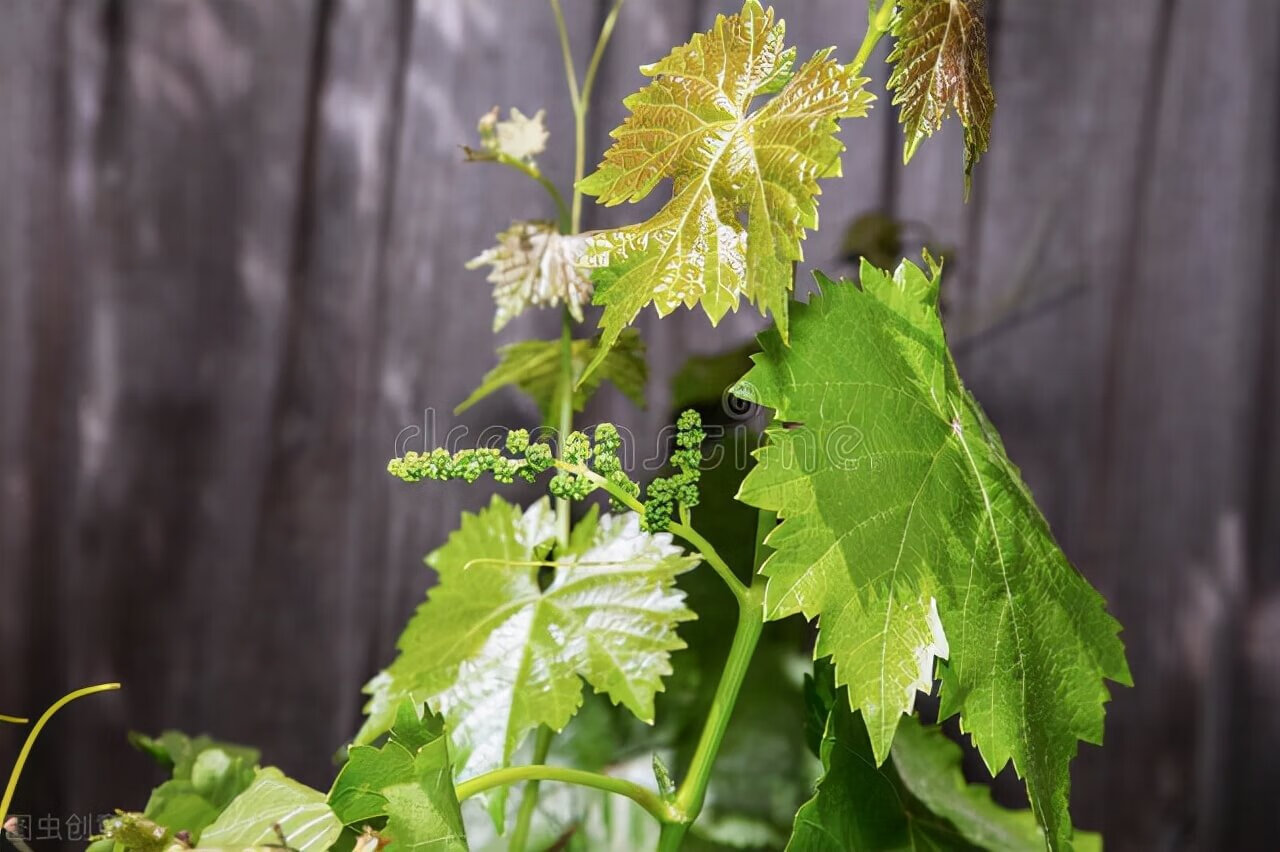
x=231 y=249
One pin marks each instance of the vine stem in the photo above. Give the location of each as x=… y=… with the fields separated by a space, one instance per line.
x=692 y=791
x=562 y=210
x=35 y=732
x=643 y=797
x=705 y=548
x=570 y=222
x=529 y=803
x=879 y=24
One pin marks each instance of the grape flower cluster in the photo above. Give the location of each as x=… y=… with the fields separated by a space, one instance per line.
x=665 y=493
x=596 y=455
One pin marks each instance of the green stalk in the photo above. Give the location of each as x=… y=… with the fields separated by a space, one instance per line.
x=646 y=799
x=528 y=804
x=565 y=381
x=880 y=22
x=705 y=548
x=562 y=209
x=564 y=391
x=693 y=790
x=35 y=731
x=582 y=103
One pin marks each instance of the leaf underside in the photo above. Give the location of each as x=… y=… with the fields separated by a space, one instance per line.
x=939 y=64
x=533 y=366
x=744 y=182
x=497 y=655
x=897 y=497
x=917 y=800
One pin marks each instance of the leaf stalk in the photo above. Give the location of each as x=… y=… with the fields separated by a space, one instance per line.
x=563 y=219
x=705 y=548
x=529 y=802
x=878 y=25
x=647 y=799
x=692 y=792
x=35 y=732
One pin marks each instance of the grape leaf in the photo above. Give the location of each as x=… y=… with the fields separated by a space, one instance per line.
x=694 y=124
x=206 y=776
x=939 y=63
x=533 y=264
x=534 y=367
x=519 y=137
x=497 y=655
x=302 y=815
x=409 y=781
x=918 y=800
x=929 y=767
x=897 y=496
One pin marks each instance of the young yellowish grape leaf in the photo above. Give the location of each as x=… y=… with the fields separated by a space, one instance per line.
x=728 y=165
x=533 y=264
x=917 y=800
x=274 y=805
x=498 y=655
x=534 y=367
x=408 y=781
x=519 y=137
x=940 y=63
x=897 y=497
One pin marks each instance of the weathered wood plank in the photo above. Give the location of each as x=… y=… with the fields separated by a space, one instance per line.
x=312 y=525
x=1183 y=338
x=190 y=179
x=231 y=275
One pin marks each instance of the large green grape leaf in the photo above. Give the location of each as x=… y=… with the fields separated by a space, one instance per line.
x=909 y=534
x=498 y=655
x=918 y=800
x=534 y=367
x=408 y=781
x=274 y=805
x=694 y=124
x=939 y=63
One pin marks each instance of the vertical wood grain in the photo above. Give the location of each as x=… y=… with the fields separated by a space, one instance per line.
x=231 y=278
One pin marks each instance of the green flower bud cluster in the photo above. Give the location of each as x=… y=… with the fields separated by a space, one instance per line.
x=599 y=455
x=605 y=461
x=681 y=488
x=470 y=465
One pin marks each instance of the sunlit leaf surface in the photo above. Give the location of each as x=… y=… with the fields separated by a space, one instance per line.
x=897 y=497
x=498 y=655
x=744 y=180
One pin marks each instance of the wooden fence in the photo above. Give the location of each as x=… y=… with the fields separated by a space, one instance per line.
x=231 y=255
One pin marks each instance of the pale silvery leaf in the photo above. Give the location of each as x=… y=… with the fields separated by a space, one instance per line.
x=498 y=655
x=533 y=264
